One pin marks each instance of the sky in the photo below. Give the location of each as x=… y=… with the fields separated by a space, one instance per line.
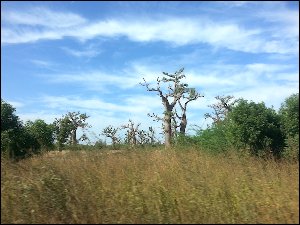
x=59 y=57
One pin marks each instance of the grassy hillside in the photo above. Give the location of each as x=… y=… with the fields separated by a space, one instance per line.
x=153 y=186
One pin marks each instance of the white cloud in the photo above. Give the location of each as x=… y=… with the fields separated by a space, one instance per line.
x=288 y=18
x=132 y=104
x=271 y=93
x=211 y=78
x=175 y=30
x=47 y=116
x=44 y=17
x=94 y=80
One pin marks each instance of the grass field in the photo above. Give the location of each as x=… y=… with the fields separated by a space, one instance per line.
x=150 y=186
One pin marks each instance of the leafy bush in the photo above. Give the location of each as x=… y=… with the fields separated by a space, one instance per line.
x=255 y=126
x=17 y=141
x=214 y=139
x=42 y=132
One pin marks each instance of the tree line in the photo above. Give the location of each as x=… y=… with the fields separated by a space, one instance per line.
x=237 y=124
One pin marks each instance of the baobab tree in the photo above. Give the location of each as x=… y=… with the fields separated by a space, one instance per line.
x=175 y=91
x=67 y=126
x=111 y=132
x=192 y=95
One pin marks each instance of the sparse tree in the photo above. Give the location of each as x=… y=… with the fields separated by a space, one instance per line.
x=221 y=108
x=132 y=132
x=142 y=137
x=175 y=90
x=151 y=135
x=111 y=132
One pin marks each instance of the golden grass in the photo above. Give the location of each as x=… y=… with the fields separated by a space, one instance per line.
x=153 y=186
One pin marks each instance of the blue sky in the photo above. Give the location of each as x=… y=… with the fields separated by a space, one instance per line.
x=90 y=56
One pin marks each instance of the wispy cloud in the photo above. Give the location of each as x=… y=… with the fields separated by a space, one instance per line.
x=89 y=53
x=57 y=25
x=222 y=77
x=41 y=63
x=43 y=17
x=132 y=104
x=94 y=80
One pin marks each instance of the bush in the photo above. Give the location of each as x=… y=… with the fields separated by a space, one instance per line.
x=255 y=126
x=214 y=139
x=17 y=141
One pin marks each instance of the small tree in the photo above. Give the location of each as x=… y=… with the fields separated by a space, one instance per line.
x=132 y=132
x=111 y=132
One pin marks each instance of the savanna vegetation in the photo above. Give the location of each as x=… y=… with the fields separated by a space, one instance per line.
x=243 y=168
x=150 y=186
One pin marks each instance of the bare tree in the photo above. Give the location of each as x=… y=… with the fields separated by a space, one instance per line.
x=132 y=132
x=142 y=137
x=151 y=135
x=175 y=91
x=221 y=108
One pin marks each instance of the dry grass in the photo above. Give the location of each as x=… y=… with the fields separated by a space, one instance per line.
x=149 y=187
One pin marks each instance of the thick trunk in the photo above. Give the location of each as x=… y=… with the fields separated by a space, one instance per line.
x=167 y=129
x=74 y=140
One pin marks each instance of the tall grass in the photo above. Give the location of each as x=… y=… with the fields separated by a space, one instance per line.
x=154 y=186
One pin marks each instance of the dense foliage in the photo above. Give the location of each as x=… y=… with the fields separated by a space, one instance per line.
x=17 y=140
x=256 y=127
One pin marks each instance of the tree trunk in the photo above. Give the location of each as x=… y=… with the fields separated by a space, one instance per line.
x=73 y=136
x=167 y=129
